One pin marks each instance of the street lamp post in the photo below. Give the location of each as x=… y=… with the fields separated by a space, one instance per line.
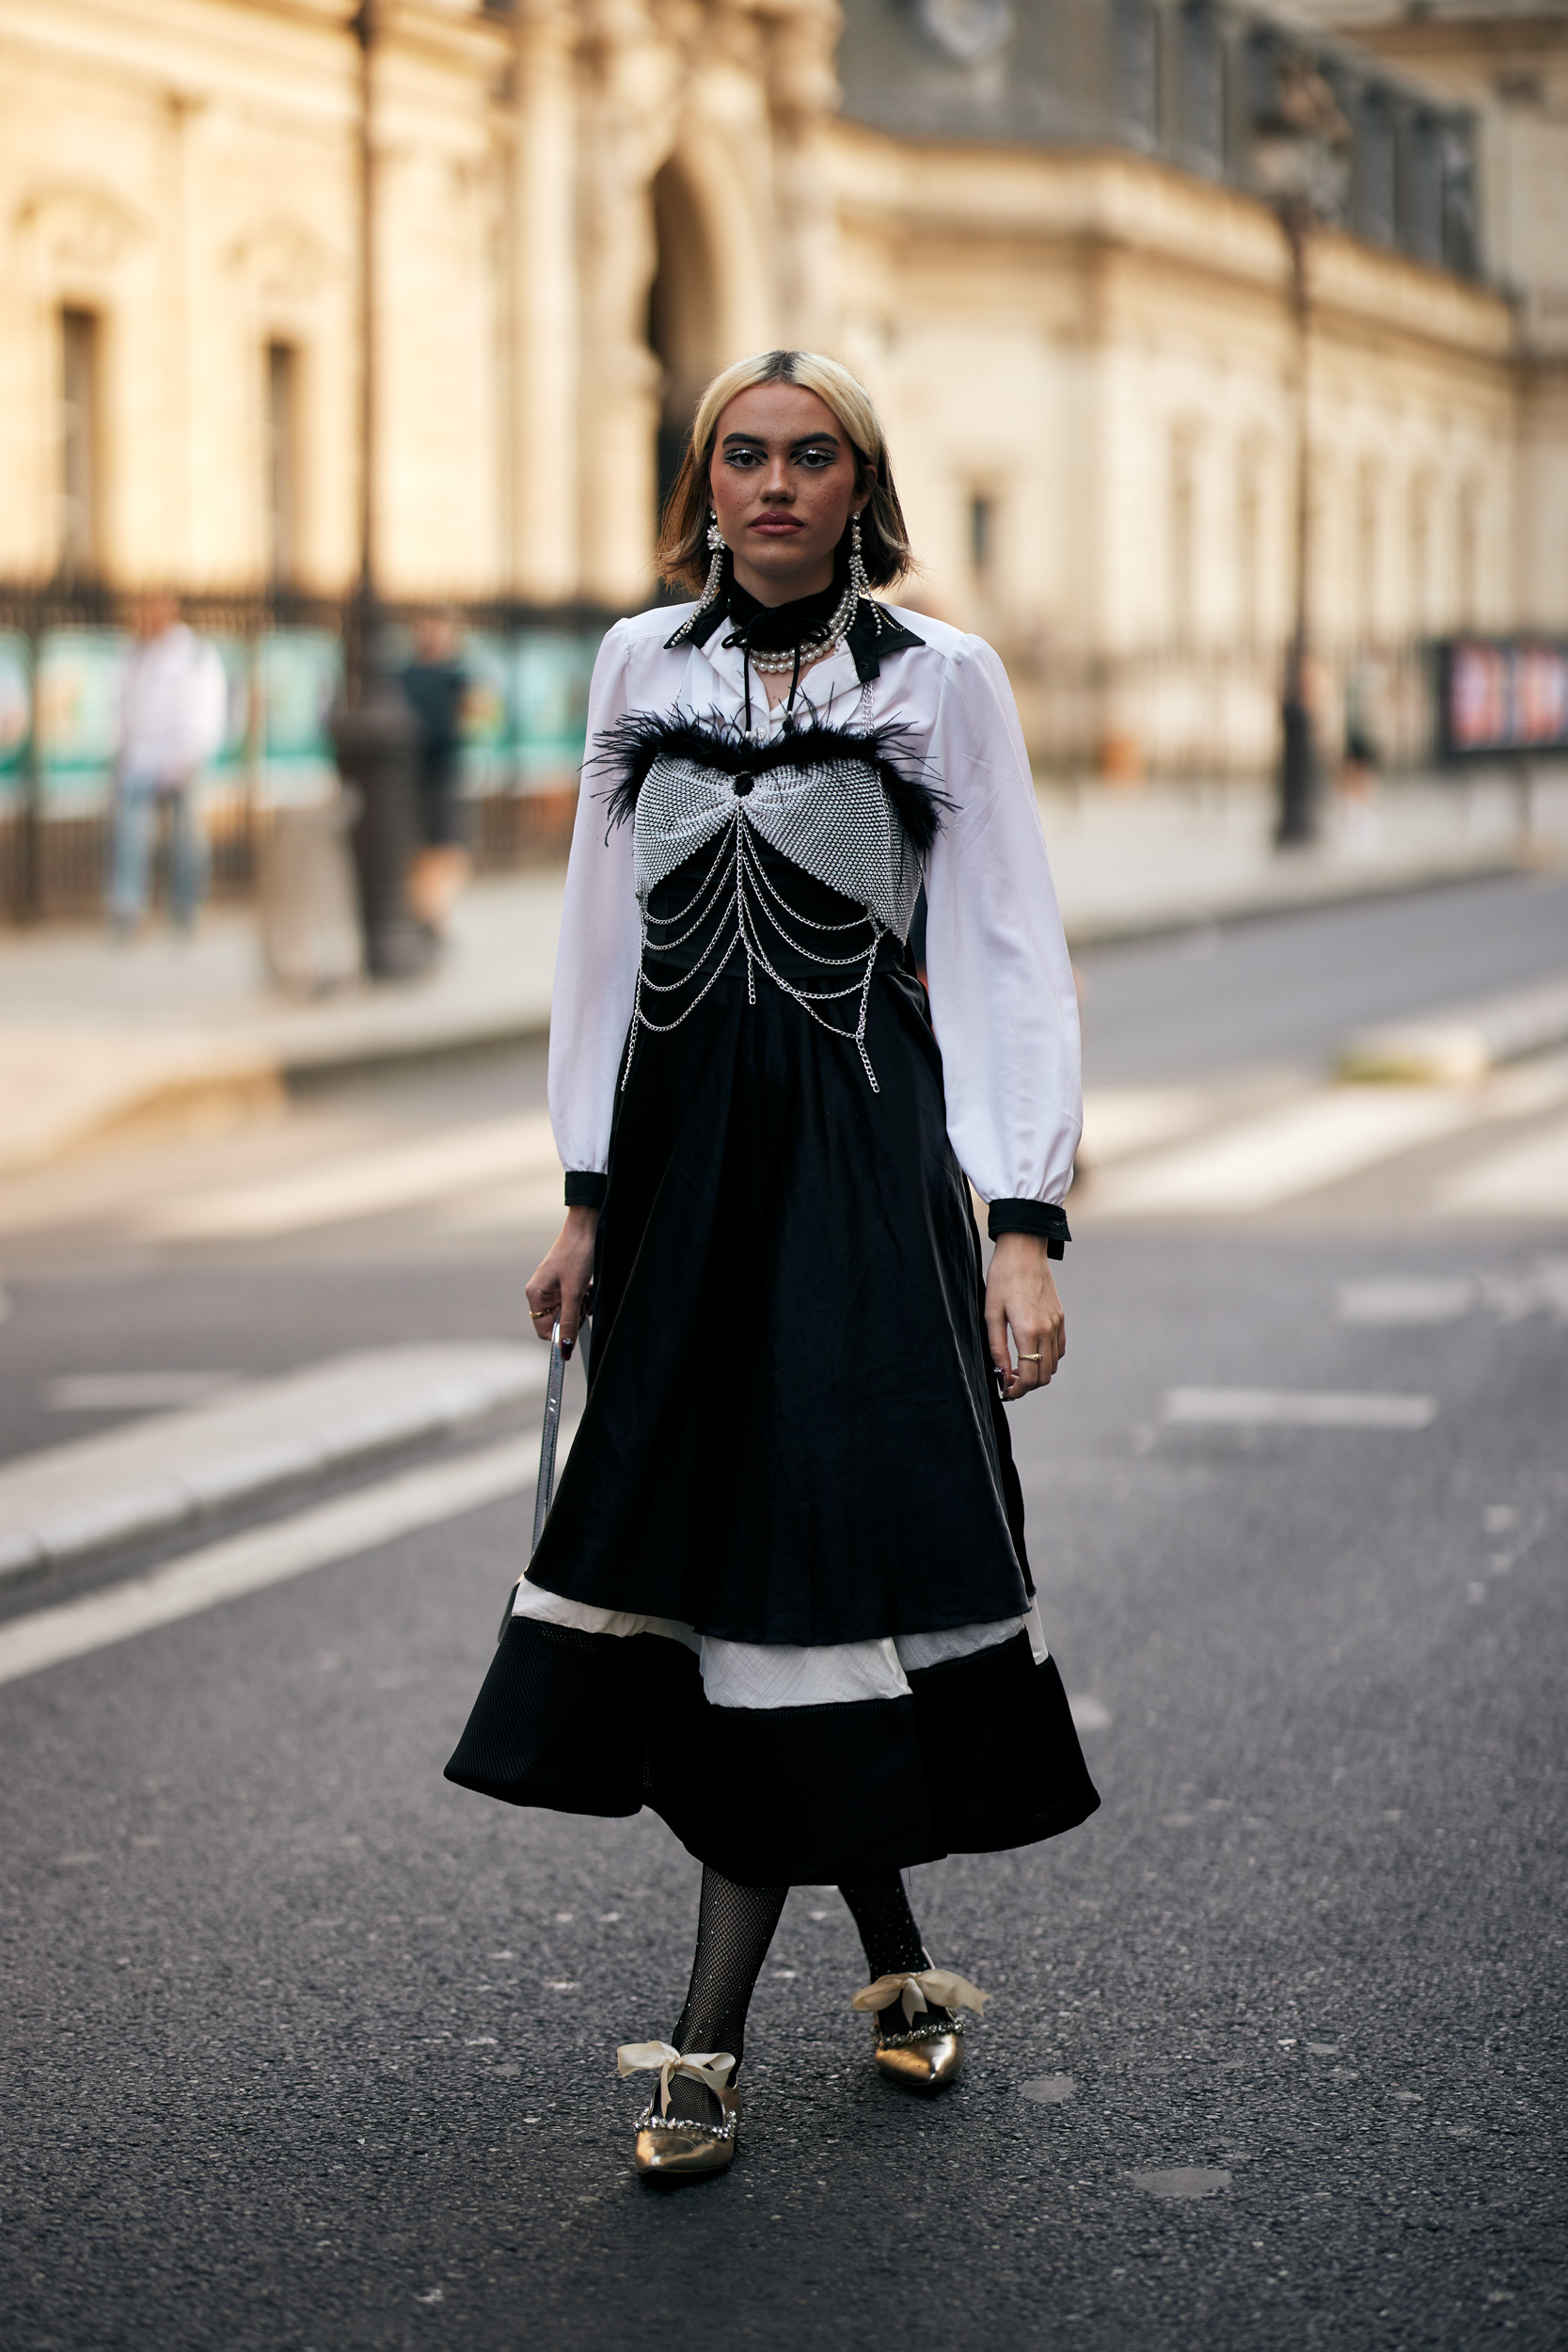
x=374 y=733
x=1298 y=751
x=1301 y=157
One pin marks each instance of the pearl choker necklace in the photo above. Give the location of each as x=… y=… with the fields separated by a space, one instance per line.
x=837 y=630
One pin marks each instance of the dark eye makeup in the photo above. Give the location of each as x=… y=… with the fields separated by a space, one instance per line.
x=816 y=454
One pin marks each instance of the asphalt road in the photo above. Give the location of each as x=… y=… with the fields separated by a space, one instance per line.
x=1288 y=990
x=307 y=2049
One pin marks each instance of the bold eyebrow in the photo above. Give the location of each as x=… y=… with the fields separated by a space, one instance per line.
x=804 y=440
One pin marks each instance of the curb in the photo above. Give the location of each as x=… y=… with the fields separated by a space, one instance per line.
x=176 y=1470
x=1459 y=1046
x=1199 y=914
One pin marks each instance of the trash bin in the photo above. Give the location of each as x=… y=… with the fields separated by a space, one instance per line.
x=309 y=905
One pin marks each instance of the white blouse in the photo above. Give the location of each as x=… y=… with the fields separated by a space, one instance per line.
x=1002 y=1001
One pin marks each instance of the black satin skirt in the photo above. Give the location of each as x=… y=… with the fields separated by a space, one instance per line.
x=792 y=1435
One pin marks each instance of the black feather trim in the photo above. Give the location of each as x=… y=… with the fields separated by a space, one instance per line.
x=631 y=747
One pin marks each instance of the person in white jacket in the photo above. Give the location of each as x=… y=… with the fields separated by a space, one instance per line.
x=173 y=714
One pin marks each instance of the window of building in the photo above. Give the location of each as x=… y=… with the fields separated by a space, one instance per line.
x=683 y=326
x=1134 y=39
x=1421 y=194
x=81 y=489
x=982 y=538
x=1202 y=84
x=1373 y=166
x=1461 y=232
x=282 y=461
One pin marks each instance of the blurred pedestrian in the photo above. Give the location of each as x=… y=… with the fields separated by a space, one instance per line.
x=436 y=683
x=784 y=1595
x=1363 y=752
x=173 y=715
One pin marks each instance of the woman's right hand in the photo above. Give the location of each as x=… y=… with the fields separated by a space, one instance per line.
x=561 y=1281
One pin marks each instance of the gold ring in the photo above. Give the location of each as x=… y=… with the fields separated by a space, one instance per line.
x=1026 y=1360
x=534 y=1312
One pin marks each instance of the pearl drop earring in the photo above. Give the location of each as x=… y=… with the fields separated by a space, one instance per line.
x=716 y=567
x=713 y=584
x=859 y=584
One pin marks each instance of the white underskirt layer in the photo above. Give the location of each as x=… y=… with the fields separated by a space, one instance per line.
x=754 y=1674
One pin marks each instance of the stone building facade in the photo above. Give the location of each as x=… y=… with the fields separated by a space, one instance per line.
x=1032 y=225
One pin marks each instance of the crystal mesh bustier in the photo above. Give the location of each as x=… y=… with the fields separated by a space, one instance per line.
x=829 y=802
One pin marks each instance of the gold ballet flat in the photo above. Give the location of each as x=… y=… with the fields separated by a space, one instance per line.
x=927 y=2062
x=928 y=2054
x=670 y=2149
x=667 y=2147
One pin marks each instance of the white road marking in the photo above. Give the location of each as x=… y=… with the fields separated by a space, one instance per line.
x=1527 y=1177
x=164 y=1470
x=1262 y=1162
x=535 y=1200
x=1120 y=1121
x=267 y=1555
x=134 y=1391
x=368 y=1184
x=1296 y=1408
x=1394 y=1301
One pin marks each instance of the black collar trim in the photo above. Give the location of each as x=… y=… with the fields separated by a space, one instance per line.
x=872 y=634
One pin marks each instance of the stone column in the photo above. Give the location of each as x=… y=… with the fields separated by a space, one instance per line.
x=804 y=95
x=627 y=130
x=545 y=371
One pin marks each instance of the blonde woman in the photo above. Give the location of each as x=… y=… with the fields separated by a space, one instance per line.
x=783 y=1595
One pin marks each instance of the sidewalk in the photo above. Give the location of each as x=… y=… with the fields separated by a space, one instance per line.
x=92 y=1033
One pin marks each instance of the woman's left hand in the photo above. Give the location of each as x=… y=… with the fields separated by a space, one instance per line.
x=1020 y=1297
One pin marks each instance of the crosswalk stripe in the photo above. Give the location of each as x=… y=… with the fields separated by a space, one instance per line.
x=1296 y=1408
x=1259 y=1163
x=1526 y=1178
x=368 y=1184
x=267 y=1555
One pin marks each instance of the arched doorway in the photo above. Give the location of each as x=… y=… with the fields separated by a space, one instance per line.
x=683 y=314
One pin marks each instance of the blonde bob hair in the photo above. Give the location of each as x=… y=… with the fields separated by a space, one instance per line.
x=682 y=554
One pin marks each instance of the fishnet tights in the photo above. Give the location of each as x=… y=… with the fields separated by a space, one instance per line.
x=880 y=1909
x=735 y=1926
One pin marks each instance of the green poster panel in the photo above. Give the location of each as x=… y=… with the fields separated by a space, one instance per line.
x=81 y=673
x=550 y=670
x=16 y=716
x=298 y=675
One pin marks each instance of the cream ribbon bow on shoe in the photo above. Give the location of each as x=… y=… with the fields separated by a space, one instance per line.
x=926 y=2057
x=672 y=2147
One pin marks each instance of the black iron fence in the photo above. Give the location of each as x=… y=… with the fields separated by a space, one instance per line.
x=1196 y=713
x=1192 y=713
x=62 y=654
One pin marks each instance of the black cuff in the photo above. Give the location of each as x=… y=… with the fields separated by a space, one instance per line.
x=1040 y=1218
x=585 y=1187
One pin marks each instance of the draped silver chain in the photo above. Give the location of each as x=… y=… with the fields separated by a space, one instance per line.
x=835 y=825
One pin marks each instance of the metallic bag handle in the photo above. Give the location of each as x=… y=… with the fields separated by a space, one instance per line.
x=543 y=1494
